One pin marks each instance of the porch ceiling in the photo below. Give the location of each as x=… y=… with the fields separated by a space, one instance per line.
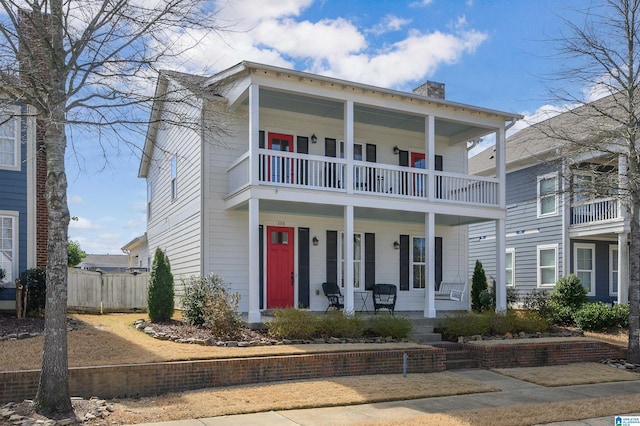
x=327 y=108
x=360 y=213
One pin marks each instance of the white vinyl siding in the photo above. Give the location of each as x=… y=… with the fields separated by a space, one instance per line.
x=584 y=265
x=9 y=139
x=547 y=265
x=547 y=195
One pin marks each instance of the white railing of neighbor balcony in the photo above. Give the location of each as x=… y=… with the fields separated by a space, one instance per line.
x=328 y=173
x=594 y=211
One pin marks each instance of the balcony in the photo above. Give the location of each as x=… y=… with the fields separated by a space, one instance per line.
x=605 y=209
x=319 y=173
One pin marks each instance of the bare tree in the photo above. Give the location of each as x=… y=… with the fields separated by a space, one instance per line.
x=86 y=63
x=602 y=53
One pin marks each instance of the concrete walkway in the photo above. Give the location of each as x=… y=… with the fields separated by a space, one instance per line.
x=513 y=392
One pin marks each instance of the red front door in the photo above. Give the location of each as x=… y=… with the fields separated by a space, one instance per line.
x=279 y=267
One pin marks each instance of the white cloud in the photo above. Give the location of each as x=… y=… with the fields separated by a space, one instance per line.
x=388 y=24
x=542 y=113
x=82 y=223
x=75 y=200
x=421 y=3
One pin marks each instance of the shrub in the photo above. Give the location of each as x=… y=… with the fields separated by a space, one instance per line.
x=294 y=324
x=466 y=324
x=530 y=322
x=336 y=324
x=75 y=254
x=601 y=316
x=35 y=281
x=160 y=294
x=207 y=302
x=538 y=301
x=488 y=297
x=478 y=285
x=385 y=326
x=569 y=292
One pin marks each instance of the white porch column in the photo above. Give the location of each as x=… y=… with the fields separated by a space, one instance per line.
x=254 y=261
x=623 y=269
x=348 y=145
x=430 y=154
x=430 y=247
x=348 y=261
x=501 y=169
x=501 y=275
x=254 y=130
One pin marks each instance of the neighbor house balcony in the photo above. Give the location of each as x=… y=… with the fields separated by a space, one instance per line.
x=320 y=173
x=595 y=217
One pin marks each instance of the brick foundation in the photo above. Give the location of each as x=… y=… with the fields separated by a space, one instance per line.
x=159 y=378
x=531 y=354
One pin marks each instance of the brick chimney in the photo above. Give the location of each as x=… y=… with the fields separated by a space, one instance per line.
x=33 y=68
x=430 y=89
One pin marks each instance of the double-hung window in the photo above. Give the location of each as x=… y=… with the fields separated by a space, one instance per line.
x=418 y=263
x=547 y=265
x=613 y=270
x=510 y=266
x=8 y=242
x=584 y=265
x=547 y=195
x=9 y=139
x=174 y=177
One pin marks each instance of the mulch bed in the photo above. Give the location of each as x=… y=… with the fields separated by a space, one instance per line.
x=9 y=324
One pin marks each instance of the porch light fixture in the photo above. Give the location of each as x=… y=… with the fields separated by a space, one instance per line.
x=314 y=138
x=396 y=245
x=315 y=241
x=396 y=150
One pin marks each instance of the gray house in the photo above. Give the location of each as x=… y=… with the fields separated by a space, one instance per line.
x=564 y=211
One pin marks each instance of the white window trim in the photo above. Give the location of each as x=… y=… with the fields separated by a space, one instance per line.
x=512 y=251
x=539 y=200
x=17 y=146
x=174 y=177
x=592 y=247
x=16 y=258
x=539 y=275
x=612 y=248
x=361 y=261
x=412 y=263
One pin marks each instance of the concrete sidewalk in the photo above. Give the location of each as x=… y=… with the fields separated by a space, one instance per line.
x=513 y=392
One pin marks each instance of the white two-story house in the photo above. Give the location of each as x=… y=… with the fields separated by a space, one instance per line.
x=288 y=179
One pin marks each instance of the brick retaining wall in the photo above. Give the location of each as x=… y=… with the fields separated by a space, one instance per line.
x=532 y=354
x=159 y=378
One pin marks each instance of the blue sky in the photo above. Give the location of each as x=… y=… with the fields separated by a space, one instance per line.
x=491 y=53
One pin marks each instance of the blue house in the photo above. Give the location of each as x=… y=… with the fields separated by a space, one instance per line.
x=565 y=206
x=20 y=229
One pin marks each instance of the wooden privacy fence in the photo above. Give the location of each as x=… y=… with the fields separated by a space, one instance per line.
x=107 y=291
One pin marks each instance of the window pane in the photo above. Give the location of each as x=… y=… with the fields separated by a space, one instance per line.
x=614 y=283
x=584 y=259
x=585 y=278
x=548 y=205
x=548 y=276
x=357 y=246
x=548 y=257
x=547 y=186
x=357 y=152
x=509 y=260
x=418 y=276
x=419 y=253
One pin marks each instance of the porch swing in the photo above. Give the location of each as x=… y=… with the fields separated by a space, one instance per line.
x=456 y=289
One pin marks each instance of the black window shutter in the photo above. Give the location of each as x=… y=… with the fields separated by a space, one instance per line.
x=438 y=166
x=329 y=147
x=332 y=256
x=438 y=261
x=369 y=260
x=302 y=145
x=303 y=267
x=261 y=263
x=403 y=158
x=404 y=262
x=371 y=153
x=438 y=162
x=261 y=139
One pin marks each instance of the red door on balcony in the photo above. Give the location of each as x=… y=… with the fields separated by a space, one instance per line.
x=280 y=169
x=280 y=251
x=419 y=181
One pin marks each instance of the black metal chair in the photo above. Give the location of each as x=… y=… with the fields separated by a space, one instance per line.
x=384 y=296
x=333 y=294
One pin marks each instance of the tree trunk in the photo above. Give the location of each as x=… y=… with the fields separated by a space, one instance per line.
x=633 y=348
x=53 y=391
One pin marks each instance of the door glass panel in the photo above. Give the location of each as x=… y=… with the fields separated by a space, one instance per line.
x=279 y=237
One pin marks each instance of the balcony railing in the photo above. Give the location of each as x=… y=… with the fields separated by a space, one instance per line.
x=329 y=174
x=594 y=211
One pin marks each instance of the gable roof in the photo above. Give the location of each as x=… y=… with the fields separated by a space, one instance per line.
x=550 y=138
